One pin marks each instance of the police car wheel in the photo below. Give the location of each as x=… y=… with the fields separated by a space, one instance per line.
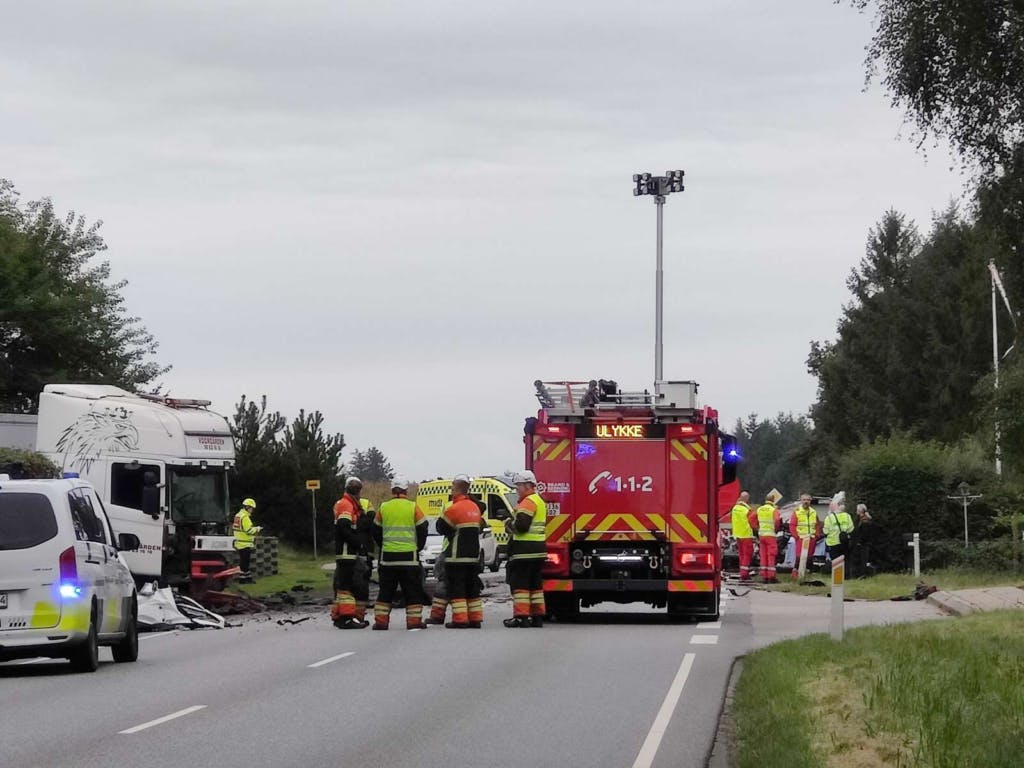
x=86 y=657
x=127 y=650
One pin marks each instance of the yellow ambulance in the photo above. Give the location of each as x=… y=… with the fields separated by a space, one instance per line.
x=497 y=498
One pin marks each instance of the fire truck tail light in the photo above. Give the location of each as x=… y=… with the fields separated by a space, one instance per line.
x=695 y=559
x=555 y=559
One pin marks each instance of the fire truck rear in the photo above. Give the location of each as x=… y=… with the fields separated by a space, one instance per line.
x=631 y=481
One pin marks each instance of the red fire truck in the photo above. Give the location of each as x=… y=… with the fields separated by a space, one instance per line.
x=631 y=481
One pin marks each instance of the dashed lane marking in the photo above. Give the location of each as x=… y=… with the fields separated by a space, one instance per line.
x=710 y=625
x=322 y=662
x=704 y=640
x=164 y=719
x=650 y=747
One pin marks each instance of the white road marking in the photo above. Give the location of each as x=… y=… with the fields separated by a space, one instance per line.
x=710 y=625
x=164 y=719
x=417 y=629
x=704 y=640
x=157 y=635
x=650 y=748
x=332 y=658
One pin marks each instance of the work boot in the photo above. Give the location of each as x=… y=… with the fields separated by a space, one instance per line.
x=517 y=621
x=434 y=621
x=475 y=624
x=537 y=621
x=349 y=623
x=381 y=627
x=453 y=625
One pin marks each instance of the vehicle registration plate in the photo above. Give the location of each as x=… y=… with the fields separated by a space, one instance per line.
x=3 y=599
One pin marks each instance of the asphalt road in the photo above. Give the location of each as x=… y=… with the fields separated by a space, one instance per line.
x=615 y=689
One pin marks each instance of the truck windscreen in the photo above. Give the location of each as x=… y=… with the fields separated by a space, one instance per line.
x=198 y=496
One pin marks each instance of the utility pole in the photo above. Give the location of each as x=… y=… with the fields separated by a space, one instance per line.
x=997 y=284
x=965 y=497
x=659 y=187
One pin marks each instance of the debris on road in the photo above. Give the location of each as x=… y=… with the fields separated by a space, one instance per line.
x=921 y=592
x=161 y=609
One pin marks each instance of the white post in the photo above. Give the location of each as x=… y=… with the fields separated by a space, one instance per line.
x=838 y=607
x=966 y=502
x=802 y=568
x=313 y=491
x=916 y=546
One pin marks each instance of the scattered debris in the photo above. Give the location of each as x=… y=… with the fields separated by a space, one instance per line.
x=161 y=609
x=282 y=622
x=921 y=592
x=735 y=593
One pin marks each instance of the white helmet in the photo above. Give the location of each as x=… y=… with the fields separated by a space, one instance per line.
x=526 y=476
x=353 y=480
x=400 y=484
x=462 y=479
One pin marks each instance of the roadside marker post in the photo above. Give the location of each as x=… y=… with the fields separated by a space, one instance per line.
x=838 y=608
x=805 y=544
x=915 y=545
x=312 y=486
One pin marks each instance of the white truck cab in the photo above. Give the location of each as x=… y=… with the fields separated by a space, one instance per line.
x=65 y=588
x=159 y=464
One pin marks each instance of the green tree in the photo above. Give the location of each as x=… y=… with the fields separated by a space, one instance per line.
x=61 y=318
x=775 y=455
x=20 y=463
x=956 y=68
x=273 y=460
x=370 y=465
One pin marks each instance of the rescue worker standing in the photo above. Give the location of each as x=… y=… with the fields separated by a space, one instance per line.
x=804 y=526
x=400 y=530
x=351 y=587
x=461 y=524
x=527 y=553
x=768 y=524
x=743 y=531
x=838 y=528
x=245 y=539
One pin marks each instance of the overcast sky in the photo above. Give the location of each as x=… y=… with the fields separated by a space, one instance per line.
x=402 y=214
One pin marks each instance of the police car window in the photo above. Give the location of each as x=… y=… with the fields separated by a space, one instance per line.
x=127 y=482
x=26 y=520
x=87 y=525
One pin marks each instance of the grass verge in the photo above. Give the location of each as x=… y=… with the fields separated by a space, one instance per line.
x=294 y=567
x=937 y=694
x=886 y=585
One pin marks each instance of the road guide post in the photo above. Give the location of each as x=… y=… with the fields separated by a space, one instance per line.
x=312 y=486
x=838 y=576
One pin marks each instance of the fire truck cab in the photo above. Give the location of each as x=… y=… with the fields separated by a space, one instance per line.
x=631 y=483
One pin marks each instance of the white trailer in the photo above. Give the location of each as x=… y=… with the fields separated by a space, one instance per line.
x=160 y=466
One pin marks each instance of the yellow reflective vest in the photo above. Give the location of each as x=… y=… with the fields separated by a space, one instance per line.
x=834 y=523
x=245 y=532
x=740 y=523
x=766 y=521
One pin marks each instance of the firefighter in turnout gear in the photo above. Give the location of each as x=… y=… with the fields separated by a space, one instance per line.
x=461 y=524
x=743 y=531
x=400 y=530
x=351 y=585
x=768 y=524
x=804 y=526
x=527 y=553
x=245 y=539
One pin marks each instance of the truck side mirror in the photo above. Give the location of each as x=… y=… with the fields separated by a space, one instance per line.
x=151 y=501
x=128 y=542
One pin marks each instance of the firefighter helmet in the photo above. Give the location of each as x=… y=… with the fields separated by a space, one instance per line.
x=353 y=481
x=249 y=503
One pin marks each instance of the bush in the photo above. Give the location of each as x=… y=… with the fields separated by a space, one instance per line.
x=906 y=485
x=986 y=555
x=26 y=464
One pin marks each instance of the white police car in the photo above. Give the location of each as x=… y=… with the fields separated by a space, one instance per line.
x=64 y=587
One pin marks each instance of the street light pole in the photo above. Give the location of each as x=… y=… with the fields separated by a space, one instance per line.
x=659 y=187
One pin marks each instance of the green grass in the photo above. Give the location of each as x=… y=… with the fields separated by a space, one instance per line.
x=938 y=694
x=294 y=567
x=886 y=585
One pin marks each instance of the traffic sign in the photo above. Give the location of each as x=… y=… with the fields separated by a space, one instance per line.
x=312 y=485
